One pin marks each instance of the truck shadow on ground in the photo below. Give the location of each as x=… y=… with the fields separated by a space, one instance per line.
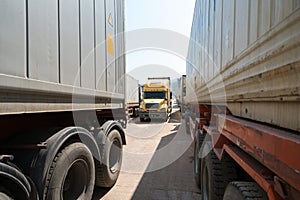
x=171 y=179
x=100 y=192
x=152 y=121
x=170 y=172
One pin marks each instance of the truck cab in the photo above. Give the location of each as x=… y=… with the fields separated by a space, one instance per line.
x=156 y=103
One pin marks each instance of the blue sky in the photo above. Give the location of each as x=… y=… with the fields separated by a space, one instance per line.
x=172 y=15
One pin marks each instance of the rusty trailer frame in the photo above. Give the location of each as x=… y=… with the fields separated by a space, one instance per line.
x=268 y=154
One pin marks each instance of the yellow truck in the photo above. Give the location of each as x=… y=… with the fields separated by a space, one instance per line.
x=156 y=103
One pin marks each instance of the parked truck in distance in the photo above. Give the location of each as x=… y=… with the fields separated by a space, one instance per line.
x=243 y=67
x=181 y=93
x=157 y=99
x=62 y=94
x=133 y=96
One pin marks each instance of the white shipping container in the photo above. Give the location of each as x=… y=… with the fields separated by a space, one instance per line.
x=249 y=57
x=52 y=51
x=132 y=90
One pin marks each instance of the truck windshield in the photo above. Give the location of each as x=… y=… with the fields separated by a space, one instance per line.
x=154 y=95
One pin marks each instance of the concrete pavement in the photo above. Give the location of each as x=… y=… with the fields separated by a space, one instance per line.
x=157 y=163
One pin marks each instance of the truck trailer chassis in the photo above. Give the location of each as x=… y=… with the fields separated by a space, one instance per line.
x=62 y=97
x=265 y=153
x=243 y=82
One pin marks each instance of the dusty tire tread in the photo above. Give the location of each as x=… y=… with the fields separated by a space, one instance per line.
x=105 y=178
x=50 y=174
x=15 y=172
x=100 y=180
x=249 y=190
x=64 y=152
x=222 y=173
x=197 y=148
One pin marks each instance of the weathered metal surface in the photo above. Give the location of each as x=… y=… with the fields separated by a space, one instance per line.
x=43 y=41
x=120 y=46
x=69 y=42
x=87 y=32
x=277 y=149
x=110 y=45
x=55 y=53
x=13 y=37
x=100 y=49
x=258 y=172
x=251 y=59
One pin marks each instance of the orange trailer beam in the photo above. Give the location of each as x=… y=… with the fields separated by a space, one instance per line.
x=276 y=149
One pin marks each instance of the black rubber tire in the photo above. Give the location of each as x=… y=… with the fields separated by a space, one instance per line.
x=197 y=160
x=72 y=174
x=14 y=181
x=197 y=165
x=142 y=119
x=4 y=196
x=216 y=174
x=135 y=112
x=244 y=191
x=34 y=193
x=108 y=171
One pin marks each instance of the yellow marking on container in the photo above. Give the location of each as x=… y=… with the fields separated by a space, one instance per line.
x=110 y=45
x=110 y=20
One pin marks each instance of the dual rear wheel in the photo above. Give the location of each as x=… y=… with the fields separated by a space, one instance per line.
x=217 y=179
x=13 y=183
x=73 y=172
x=108 y=171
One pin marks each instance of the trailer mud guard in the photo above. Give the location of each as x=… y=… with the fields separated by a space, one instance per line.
x=106 y=128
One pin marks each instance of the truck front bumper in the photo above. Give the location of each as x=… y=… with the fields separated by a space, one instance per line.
x=153 y=115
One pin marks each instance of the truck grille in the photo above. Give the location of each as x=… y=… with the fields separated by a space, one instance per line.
x=152 y=105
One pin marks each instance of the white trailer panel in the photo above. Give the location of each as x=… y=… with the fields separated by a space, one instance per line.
x=217 y=58
x=259 y=45
x=227 y=32
x=87 y=32
x=110 y=45
x=55 y=54
x=43 y=32
x=132 y=90
x=13 y=37
x=69 y=42
x=253 y=29
x=264 y=16
x=100 y=45
x=241 y=22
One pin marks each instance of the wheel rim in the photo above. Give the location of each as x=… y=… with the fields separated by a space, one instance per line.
x=115 y=156
x=76 y=181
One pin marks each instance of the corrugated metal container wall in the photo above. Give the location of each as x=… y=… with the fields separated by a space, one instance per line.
x=120 y=46
x=48 y=47
x=247 y=52
x=132 y=89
